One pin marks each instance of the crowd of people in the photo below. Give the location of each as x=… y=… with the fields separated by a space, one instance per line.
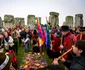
x=62 y=39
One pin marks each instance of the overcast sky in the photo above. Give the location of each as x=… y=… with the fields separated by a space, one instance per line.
x=41 y=8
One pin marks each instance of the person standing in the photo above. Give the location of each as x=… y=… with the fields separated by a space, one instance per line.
x=15 y=38
x=78 y=62
x=81 y=35
x=27 y=41
x=67 y=40
x=5 y=60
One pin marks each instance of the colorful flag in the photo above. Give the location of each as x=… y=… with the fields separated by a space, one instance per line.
x=48 y=38
x=41 y=33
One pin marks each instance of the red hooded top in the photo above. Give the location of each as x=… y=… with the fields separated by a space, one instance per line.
x=68 y=41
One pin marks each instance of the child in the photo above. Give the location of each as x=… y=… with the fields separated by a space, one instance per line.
x=27 y=43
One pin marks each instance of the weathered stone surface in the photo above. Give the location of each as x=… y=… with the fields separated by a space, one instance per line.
x=69 y=21
x=19 y=20
x=78 y=20
x=31 y=21
x=8 y=21
x=54 y=13
x=54 y=19
x=1 y=22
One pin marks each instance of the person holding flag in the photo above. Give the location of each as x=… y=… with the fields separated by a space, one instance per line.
x=52 y=43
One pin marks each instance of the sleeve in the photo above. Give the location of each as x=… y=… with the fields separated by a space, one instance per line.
x=67 y=63
x=27 y=39
x=10 y=39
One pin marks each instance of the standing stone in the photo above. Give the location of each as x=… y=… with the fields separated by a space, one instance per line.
x=69 y=21
x=1 y=22
x=8 y=21
x=31 y=21
x=19 y=21
x=78 y=20
x=54 y=19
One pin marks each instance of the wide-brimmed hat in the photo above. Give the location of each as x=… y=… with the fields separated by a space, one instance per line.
x=65 y=28
x=82 y=29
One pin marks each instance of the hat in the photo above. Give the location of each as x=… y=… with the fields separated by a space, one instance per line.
x=82 y=29
x=65 y=28
x=28 y=27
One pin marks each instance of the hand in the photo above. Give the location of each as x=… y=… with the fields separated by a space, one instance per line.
x=61 y=47
x=62 y=59
x=55 y=62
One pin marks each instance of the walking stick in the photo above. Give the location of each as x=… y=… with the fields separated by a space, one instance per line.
x=64 y=54
x=80 y=36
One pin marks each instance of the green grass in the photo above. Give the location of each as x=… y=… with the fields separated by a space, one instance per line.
x=20 y=55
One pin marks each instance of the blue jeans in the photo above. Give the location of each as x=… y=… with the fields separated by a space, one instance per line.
x=27 y=47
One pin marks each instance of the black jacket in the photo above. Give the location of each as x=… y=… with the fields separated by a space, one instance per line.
x=78 y=63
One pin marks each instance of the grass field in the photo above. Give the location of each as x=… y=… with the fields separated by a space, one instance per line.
x=20 y=55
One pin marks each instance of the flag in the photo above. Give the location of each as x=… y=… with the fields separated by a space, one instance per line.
x=41 y=33
x=48 y=38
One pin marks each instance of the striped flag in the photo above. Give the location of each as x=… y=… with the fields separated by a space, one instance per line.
x=48 y=38
x=41 y=33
